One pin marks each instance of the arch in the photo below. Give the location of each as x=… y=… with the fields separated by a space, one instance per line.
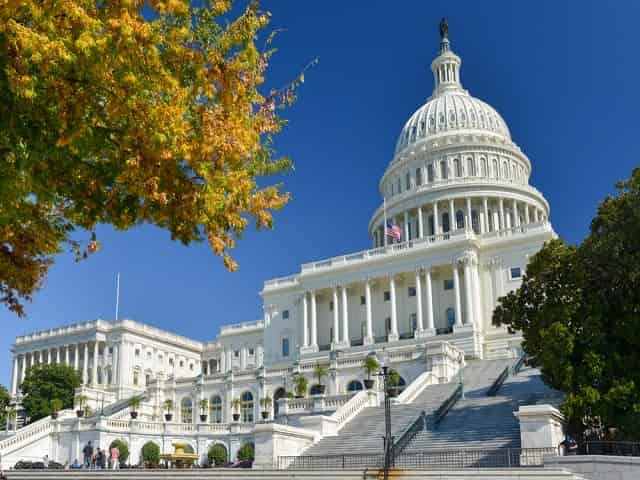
x=483 y=167
x=354 y=386
x=217 y=454
x=496 y=170
x=459 y=219
x=457 y=168
x=215 y=409
x=505 y=172
x=443 y=170
x=451 y=316
x=186 y=410
x=315 y=389
x=445 y=222
x=430 y=173
x=246 y=407
x=475 y=221
x=471 y=167
x=277 y=395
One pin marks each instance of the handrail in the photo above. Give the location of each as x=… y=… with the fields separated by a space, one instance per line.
x=351 y=408
x=447 y=405
x=418 y=425
x=415 y=388
x=39 y=427
x=497 y=384
x=518 y=365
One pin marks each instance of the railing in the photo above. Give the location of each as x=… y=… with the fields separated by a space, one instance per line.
x=518 y=365
x=415 y=388
x=497 y=384
x=435 y=459
x=300 y=404
x=418 y=425
x=172 y=428
x=350 y=409
x=599 y=447
x=443 y=409
x=30 y=432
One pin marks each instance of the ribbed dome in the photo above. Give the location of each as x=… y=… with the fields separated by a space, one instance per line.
x=451 y=112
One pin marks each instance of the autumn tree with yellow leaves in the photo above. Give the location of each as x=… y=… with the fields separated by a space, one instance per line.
x=122 y=112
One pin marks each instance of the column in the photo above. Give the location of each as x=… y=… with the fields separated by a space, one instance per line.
x=420 y=326
x=243 y=358
x=469 y=222
x=420 y=223
x=436 y=223
x=305 y=321
x=535 y=215
x=456 y=288
x=527 y=219
x=393 y=335
x=259 y=356
x=516 y=215
x=67 y=362
x=14 y=377
x=429 y=300
x=223 y=362
x=229 y=353
x=453 y=225
x=345 y=317
x=336 y=320
x=406 y=226
x=468 y=292
x=94 y=368
x=484 y=226
x=115 y=364
x=23 y=371
x=314 y=321
x=477 y=305
x=76 y=356
x=367 y=294
x=85 y=364
x=503 y=224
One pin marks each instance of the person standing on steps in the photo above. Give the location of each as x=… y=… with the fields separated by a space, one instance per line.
x=87 y=453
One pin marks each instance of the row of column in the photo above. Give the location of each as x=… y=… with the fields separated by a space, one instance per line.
x=499 y=219
x=22 y=362
x=225 y=361
x=424 y=305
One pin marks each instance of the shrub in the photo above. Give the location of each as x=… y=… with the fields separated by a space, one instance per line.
x=246 y=452
x=124 y=450
x=217 y=455
x=150 y=453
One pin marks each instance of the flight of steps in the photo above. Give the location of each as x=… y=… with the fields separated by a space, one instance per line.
x=482 y=422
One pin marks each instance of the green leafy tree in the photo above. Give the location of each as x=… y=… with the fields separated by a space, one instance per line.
x=578 y=309
x=4 y=403
x=246 y=452
x=217 y=455
x=45 y=382
x=123 y=447
x=151 y=454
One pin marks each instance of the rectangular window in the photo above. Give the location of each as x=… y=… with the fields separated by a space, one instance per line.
x=448 y=284
x=135 y=377
x=285 y=347
x=387 y=324
x=412 y=291
x=285 y=314
x=147 y=380
x=387 y=296
x=251 y=351
x=413 y=322
x=137 y=352
x=515 y=272
x=363 y=300
x=331 y=306
x=418 y=177
x=430 y=173
x=236 y=353
x=408 y=181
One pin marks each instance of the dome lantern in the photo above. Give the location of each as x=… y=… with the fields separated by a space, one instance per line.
x=446 y=66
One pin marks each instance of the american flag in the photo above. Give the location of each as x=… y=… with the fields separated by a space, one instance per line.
x=394 y=231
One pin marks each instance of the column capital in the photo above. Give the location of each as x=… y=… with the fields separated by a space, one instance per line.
x=469 y=257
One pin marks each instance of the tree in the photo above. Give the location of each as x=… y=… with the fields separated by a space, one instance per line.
x=129 y=112
x=44 y=382
x=5 y=398
x=123 y=448
x=578 y=309
x=246 y=452
x=217 y=455
x=151 y=454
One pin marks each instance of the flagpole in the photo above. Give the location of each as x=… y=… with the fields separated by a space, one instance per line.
x=384 y=229
x=117 y=294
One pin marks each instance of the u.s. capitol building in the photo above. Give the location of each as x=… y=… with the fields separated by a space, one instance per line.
x=457 y=186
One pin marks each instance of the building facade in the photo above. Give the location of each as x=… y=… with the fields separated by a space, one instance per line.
x=457 y=190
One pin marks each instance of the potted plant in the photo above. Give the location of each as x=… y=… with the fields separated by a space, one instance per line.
x=266 y=405
x=81 y=403
x=56 y=406
x=236 y=409
x=12 y=414
x=290 y=396
x=394 y=381
x=370 y=366
x=204 y=406
x=168 y=407
x=134 y=405
x=301 y=384
x=320 y=372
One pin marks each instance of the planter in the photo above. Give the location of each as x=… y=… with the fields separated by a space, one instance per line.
x=392 y=392
x=368 y=384
x=236 y=417
x=134 y=415
x=168 y=417
x=203 y=418
x=54 y=415
x=265 y=415
x=299 y=396
x=80 y=413
x=321 y=389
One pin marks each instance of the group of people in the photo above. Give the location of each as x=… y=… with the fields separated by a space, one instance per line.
x=98 y=459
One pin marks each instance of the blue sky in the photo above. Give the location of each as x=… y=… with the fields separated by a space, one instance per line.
x=562 y=74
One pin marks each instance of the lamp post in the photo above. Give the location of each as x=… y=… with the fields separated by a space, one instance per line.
x=385 y=373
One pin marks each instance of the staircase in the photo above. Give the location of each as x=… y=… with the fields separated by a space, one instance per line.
x=486 y=422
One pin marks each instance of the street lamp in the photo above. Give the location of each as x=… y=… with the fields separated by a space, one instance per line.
x=385 y=373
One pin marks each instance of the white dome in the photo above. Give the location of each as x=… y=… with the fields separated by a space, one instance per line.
x=449 y=112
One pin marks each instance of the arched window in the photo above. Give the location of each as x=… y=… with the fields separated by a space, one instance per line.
x=457 y=168
x=315 y=389
x=513 y=172
x=186 y=410
x=471 y=167
x=483 y=167
x=246 y=407
x=279 y=393
x=451 y=316
x=443 y=170
x=445 y=222
x=430 y=173
x=459 y=219
x=505 y=172
x=475 y=221
x=354 y=386
x=215 y=409
x=496 y=171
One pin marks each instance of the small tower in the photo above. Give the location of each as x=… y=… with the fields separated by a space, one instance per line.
x=446 y=66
